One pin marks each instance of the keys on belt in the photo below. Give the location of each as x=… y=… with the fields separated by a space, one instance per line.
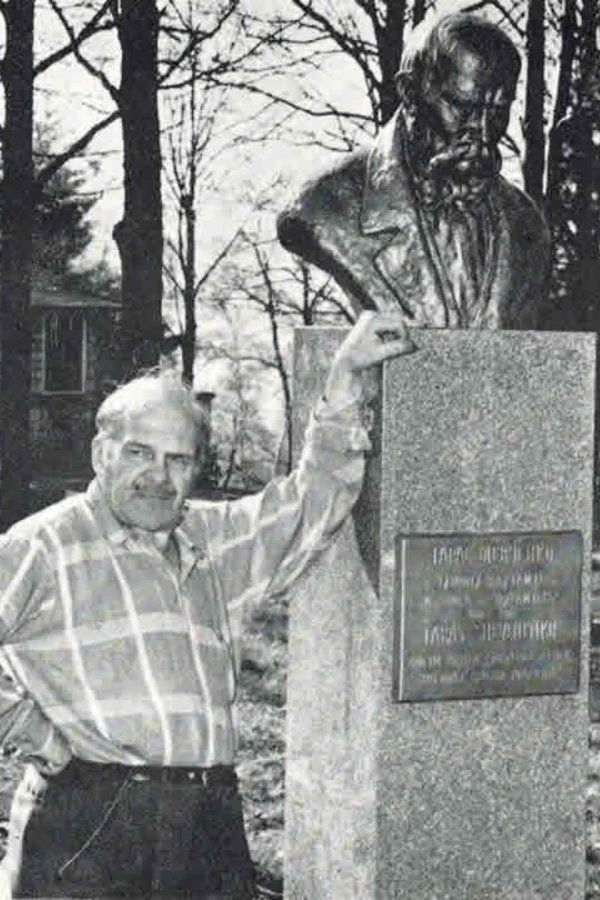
x=209 y=777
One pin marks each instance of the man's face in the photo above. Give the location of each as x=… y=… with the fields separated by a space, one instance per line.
x=147 y=472
x=462 y=119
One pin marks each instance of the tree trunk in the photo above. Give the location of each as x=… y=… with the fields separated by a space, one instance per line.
x=418 y=12
x=568 y=46
x=139 y=235
x=285 y=383
x=590 y=20
x=188 y=338
x=188 y=203
x=533 y=167
x=15 y=262
x=563 y=95
x=390 y=43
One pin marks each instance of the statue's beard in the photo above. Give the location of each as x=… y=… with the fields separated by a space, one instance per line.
x=452 y=173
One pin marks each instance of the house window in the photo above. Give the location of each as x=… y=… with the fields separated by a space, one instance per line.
x=64 y=351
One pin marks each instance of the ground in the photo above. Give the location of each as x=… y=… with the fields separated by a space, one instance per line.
x=261 y=710
x=592 y=816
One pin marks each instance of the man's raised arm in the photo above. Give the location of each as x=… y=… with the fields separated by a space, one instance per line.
x=261 y=543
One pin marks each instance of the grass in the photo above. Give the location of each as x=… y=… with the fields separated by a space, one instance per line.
x=261 y=712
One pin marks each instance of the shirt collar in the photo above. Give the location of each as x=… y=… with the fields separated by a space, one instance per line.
x=110 y=527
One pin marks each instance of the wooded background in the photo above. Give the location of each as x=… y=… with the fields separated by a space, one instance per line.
x=213 y=107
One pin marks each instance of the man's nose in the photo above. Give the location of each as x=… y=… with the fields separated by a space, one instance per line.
x=159 y=468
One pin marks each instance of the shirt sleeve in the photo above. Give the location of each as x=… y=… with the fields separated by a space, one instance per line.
x=261 y=543
x=25 y=731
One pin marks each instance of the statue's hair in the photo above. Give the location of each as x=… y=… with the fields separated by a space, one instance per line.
x=433 y=46
x=154 y=389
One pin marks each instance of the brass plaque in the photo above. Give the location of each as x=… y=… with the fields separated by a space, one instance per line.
x=487 y=615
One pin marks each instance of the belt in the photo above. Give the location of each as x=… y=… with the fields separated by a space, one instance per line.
x=78 y=771
x=209 y=777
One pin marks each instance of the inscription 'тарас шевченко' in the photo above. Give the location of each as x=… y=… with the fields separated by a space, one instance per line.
x=487 y=615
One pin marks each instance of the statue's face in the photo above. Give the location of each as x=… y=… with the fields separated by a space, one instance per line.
x=472 y=101
x=462 y=118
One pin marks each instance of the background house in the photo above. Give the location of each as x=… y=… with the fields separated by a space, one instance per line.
x=74 y=366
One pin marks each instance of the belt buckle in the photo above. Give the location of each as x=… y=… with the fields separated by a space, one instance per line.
x=201 y=776
x=139 y=776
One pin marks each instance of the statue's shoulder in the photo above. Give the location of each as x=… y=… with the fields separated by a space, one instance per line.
x=333 y=195
x=522 y=212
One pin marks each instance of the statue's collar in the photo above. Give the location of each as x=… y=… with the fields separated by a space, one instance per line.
x=388 y=190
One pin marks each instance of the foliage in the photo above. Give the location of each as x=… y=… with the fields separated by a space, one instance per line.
x=61 y=228
x=210 y=473
x=246 y=447
x=573 y=208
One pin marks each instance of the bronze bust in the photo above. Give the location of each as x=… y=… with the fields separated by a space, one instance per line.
x=423 y=219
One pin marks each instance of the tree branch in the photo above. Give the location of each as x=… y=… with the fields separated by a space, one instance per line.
x=253 y=89
x=87 y=65
x=219 y=258
x=475 y=7
x=353 y=48
x=91 y=28
x=45 y=174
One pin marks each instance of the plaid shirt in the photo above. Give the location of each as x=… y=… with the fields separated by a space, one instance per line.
x=111 y=654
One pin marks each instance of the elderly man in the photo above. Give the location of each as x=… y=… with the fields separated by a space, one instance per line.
x=423 y=221
x=120 y=621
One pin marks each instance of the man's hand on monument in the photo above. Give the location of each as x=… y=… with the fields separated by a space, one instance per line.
x=374 y=338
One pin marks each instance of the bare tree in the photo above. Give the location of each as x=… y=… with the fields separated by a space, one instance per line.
x=307 y=38
x=20 y=190
x=285 y=292
x=15 y=259
x=533 y=167
x=139 y=234
x=245 y=442
x=194 y=115
x=565 y=62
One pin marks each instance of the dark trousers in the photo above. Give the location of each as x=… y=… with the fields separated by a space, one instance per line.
x=115 y=831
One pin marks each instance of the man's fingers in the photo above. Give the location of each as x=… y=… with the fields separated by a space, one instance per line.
x=398 y=347
x=375 y=337
x=391 y=335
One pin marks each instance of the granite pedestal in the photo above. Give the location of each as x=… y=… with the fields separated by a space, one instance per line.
x=478 y=797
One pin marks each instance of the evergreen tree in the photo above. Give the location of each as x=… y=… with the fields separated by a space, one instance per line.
x=61 y=230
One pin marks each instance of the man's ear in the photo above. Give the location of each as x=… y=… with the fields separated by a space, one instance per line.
x=98 y=455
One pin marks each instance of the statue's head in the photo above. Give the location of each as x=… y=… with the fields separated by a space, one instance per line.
x=456 y=82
